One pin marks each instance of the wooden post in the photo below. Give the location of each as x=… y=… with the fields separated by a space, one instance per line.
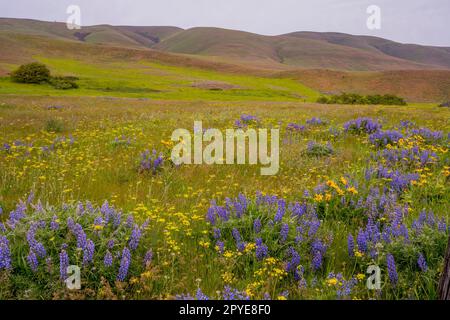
x=444 y=283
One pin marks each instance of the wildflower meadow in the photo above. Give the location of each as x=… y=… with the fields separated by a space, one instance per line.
x=89 y=183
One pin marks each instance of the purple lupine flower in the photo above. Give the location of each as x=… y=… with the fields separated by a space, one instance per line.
x=422 y=263
x=148 y=258
x=199 y=295
x=261 y=250
x=383 y=138
x=32 y=261
x=110 y=244
x=233 y=294
x=362 y=125
x=63 y=264
x=280 y=211
x=37 y=247
x=54 y=225
x=351 y=246
x=284 y=232
x=98 y=221
x=392 y=269
x=16 y=215
x=71 y=224
x=295 y=127
x=292 y=265
x=217 y=233
x=240 y=246
x=130 y=221
x=80 y=235
x=317 y=260
x=80 y=209
x=5 y=253
x=150 y=162
x=361 y=240
x=211 y=215
x=427 y=134
x=40 y=250
x=88 y=252
x=442 y=226
x=221 y=246
x=236 y=235
x=316 y=121
x=108 y=259
x=30 y=197
x=257 y=225
x=124 y=264
x=135 y=237
x=313 y=227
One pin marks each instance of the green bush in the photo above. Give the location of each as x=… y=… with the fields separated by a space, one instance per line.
x=54 y=125
x=353 y=98
x=39 y=73
x=31 y=73
x=63 y=83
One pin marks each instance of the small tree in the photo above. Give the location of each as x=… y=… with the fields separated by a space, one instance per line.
x=31 y=73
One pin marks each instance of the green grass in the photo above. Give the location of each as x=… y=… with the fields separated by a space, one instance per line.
x=158 y=81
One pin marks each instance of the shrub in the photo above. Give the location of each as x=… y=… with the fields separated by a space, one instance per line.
x=63 y=83
x=323 y=100
x=54 y=125
x=318 y=150
x=31 y=73
x=353 y=98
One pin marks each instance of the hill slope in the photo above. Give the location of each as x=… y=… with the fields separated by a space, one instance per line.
x=102 y=34
x=437 y=56
x=298 y=50
x=294 y=51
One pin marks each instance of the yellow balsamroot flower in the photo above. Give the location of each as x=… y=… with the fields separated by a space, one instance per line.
x=360 y=276
x=249 y=292
x=352 y=190
x=332 y=184
x=98 y=227
x=249 y=247
x=327 y=197
x=344 y=181
x=332 y=282
x=318 y=197
x=227 y=277
x=228 y=254
x=358 y=254
x=281 y=298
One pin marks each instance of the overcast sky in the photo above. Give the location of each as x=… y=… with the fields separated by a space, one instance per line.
x=408 y=21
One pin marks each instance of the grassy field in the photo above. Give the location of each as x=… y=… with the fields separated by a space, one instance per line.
x=152 y=80
x=64 y=153
x=86 y=177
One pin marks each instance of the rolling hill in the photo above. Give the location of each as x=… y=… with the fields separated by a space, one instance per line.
x=289 y=50
x=307 y=50
x=324 y=62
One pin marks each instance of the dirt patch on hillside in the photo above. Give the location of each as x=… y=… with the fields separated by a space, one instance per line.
x=413 y=85
x=215 y=85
